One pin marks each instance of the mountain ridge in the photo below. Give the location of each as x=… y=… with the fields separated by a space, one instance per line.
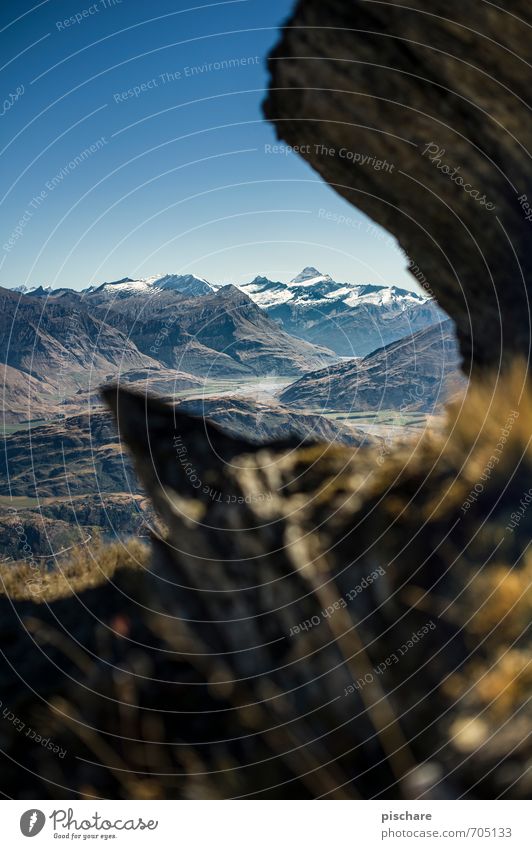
x=418 y=373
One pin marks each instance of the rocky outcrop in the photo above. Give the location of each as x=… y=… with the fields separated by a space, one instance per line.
x=261 y=421
x=419 y=116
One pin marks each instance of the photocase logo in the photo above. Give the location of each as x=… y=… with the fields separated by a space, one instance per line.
x=32 y=822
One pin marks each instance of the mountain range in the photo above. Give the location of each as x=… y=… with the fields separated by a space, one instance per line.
x=352 y=319
x=261 y=360
x=57 y=343
x=54 y=343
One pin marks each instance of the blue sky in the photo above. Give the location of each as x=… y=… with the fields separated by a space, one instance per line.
x=124 y=153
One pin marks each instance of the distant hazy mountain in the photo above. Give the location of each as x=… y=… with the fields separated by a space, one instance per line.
x=352 y=319
x=420 y=372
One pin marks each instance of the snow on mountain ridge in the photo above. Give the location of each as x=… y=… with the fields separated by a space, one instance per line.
x=312 y=286
x=310 y=276
x=28 y=290
x=186 y=284
x=353 y=318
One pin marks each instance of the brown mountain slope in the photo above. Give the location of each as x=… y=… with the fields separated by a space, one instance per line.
x=60 y=347
x=221 y=333
x=420 y=372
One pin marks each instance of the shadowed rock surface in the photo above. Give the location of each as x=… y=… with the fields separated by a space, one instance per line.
x=385 y=81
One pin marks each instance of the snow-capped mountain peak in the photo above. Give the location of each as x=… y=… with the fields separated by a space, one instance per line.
x=352 y=318
x=185 y=284
x=310 y=276
x=311 y=287
x=32 y=290
x=383 y=296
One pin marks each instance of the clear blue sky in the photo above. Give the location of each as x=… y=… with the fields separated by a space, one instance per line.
x=178 y=178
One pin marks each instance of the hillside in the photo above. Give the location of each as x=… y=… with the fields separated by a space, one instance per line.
x=79 y=455
x=420 y=372
x=52 y=348
x=51 y=340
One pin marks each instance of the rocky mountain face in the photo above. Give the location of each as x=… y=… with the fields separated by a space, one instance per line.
x=62 y=342
x=419 y=373
x=352 y=319
x=223 y=332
